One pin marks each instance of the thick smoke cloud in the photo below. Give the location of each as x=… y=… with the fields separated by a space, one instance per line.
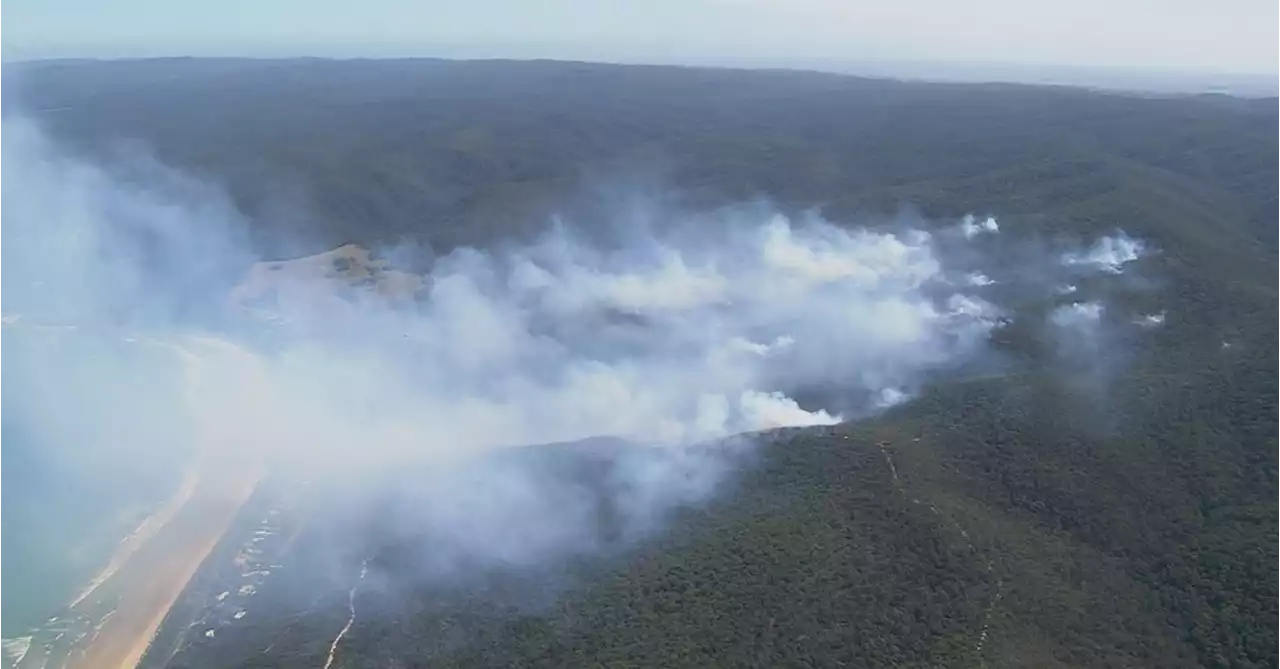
x=710 y=325
x=133 y=242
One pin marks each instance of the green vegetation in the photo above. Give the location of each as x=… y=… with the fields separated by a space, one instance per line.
x=1008 y=521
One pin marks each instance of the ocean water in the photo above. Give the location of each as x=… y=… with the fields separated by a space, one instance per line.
x=91 y=438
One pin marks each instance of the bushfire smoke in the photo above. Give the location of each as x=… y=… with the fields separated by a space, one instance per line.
x=710 y=325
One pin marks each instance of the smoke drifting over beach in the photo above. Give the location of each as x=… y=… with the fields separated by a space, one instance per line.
x=710 y=325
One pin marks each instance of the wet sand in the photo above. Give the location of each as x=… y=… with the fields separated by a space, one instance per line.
x=145 y=530
x=155 y=575
x=127 y=602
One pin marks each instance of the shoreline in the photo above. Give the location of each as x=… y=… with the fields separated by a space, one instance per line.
x=157 y=575
x=143 y=644
x=148 y=528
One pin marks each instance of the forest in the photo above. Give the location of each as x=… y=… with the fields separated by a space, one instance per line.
x=1008 y=520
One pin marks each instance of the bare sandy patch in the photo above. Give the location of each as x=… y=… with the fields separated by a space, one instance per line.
x=322 y=283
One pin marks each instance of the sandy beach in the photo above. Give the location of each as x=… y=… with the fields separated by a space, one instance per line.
x=155 y=563
x=156 y=573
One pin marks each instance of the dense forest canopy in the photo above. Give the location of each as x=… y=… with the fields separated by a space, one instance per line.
x=1011 y=520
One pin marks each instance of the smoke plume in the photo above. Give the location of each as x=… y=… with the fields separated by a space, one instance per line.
x=344 y=370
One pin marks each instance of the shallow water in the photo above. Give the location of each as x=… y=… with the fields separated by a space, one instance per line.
x=89 y=452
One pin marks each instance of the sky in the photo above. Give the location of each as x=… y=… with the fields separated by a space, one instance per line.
x=1227 y=36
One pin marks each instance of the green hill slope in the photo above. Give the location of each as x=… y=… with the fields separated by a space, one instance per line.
x=1010 y=521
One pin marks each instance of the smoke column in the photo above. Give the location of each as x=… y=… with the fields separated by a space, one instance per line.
x=709 y=325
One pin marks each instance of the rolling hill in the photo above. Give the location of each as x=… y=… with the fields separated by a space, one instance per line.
x=1006 y=520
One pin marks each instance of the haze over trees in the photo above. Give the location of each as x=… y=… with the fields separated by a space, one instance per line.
x=1021 y=518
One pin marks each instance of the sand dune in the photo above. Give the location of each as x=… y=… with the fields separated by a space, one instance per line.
x=322 y=283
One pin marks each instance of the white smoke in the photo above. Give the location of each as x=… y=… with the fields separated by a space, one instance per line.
x=1077 y=315
x=719 y=324
x=656 y=343
x=1086 y=354
x=891 y=397
x=1109 y=254
x=979 y=279
x=971 y=227
x=1151 y=320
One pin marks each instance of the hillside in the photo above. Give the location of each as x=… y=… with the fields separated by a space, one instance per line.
x=1018 y=518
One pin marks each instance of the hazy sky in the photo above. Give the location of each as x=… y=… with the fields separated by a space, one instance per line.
x=1225 y=35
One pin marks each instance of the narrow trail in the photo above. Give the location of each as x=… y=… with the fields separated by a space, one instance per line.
x=889 y=460
x=986 y=617
x=983 y=630
x=351 y=606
